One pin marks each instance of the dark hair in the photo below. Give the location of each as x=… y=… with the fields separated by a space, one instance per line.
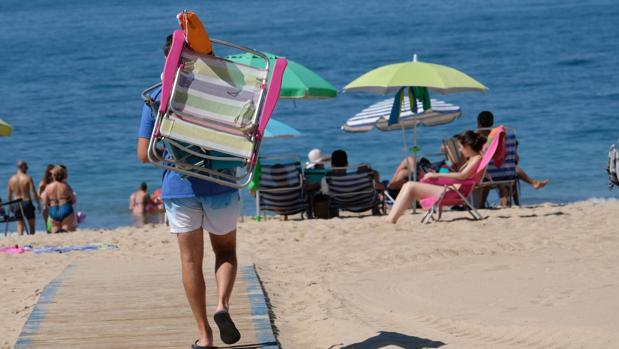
x=485 y=119
x=143 y=186
x=47 y=176
x=168 y=45
x=59 y=173
x=472 y=139
x=339 y=158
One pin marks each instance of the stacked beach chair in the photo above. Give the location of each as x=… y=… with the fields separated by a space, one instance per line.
x=212 y=112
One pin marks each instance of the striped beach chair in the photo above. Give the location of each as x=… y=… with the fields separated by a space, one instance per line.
x=213 y=113
x=352 y=191
x=281 y=188
x=506 y=174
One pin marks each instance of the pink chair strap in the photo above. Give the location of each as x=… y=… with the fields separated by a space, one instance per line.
x=169 y=69
x=275 y=85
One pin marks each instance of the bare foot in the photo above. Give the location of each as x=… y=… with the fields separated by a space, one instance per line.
x=540 y=184
x=389 y=220
x=205 y=340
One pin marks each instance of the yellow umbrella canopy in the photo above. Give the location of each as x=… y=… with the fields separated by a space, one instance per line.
x=390 y=78
x=5 y=128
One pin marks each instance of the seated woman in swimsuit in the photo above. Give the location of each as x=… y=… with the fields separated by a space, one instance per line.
x=470 y=145
x=59 y=200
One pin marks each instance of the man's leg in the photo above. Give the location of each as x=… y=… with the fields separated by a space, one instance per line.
x=224 y=247
x=191 y=246
x=537 y=184
x=20 y=226
x=31 y=223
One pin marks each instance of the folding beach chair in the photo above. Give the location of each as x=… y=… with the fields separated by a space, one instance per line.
x=456 y=192
x=281 y=187
x=7 y=214
x=505 y=175
x=352 y=191
x=212 y=113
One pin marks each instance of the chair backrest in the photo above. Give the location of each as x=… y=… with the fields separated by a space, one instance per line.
x=352 y=191
x=281 y=188
x=217 y=112
x=314 y=175
x=487 y=154
x=508 y=168
x=212 y=91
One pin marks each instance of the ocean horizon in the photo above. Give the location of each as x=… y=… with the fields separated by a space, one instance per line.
x=72 y=74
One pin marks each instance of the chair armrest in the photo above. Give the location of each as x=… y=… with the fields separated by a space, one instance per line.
x=448 y=181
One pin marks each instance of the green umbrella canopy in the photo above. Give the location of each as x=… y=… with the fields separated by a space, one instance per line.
x=298 y=82
x=390 y=78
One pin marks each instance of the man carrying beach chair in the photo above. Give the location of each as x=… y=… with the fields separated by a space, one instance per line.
x=193 y=205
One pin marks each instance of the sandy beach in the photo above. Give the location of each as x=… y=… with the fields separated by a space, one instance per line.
x=533 y=277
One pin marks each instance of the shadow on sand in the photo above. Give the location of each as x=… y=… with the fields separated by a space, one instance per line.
x=383 y=339
x=252 y=346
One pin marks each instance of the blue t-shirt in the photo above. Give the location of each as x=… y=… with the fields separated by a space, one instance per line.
x=174 y=186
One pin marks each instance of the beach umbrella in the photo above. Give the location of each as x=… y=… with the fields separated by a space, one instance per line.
x=298 y=83
x=392 y=77
x=278 y=129
x=417 y=77
x=377 y=116
x=5 y=128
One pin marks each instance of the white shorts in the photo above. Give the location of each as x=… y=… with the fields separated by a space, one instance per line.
x=216 y=214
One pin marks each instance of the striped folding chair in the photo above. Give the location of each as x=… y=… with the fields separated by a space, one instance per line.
x=506 y=174
x=281 y=188
x=352 y=191
x=213 y=113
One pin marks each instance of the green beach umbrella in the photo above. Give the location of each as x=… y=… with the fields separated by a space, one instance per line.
x=5 y=128
x=391 y=78
x=298 y=83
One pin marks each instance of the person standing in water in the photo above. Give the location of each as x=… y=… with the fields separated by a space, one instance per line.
x=138 y=204
x=59 y=200
x=21 y=187
x=47 y=179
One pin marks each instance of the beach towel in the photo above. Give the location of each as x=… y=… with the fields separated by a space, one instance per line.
x=71 y=248
x=613 y=167
x=501 y=151
x=12 y=250
x=195 y=34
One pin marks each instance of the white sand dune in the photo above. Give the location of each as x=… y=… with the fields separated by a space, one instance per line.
x=541 y=277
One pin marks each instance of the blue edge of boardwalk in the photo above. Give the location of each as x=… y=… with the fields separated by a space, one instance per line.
x=257 y=300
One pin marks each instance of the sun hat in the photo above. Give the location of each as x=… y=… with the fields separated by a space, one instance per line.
x=315 y=157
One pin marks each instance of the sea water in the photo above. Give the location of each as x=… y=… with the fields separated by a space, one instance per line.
x=71 y=73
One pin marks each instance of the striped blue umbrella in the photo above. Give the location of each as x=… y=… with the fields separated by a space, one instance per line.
x=377 y=115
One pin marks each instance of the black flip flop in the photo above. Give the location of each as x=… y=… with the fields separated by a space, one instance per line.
x=227 y=331
x=196 y=346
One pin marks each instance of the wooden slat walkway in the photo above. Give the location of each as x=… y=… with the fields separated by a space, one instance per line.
x=125 y=304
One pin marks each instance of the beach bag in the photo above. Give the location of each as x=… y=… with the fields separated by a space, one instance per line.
x=195 y=34
x=613 y=167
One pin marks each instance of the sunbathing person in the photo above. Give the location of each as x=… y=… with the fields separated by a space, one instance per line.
x=406 y=170
x=470 y=145
x=59 y=199
x=485 y=121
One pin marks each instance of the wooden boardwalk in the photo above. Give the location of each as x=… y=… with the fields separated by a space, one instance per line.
x=102 y=304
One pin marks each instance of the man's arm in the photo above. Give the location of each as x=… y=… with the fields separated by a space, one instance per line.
x=10 y=191
x=147 y=122
x=35 y=195
x=143 y=150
